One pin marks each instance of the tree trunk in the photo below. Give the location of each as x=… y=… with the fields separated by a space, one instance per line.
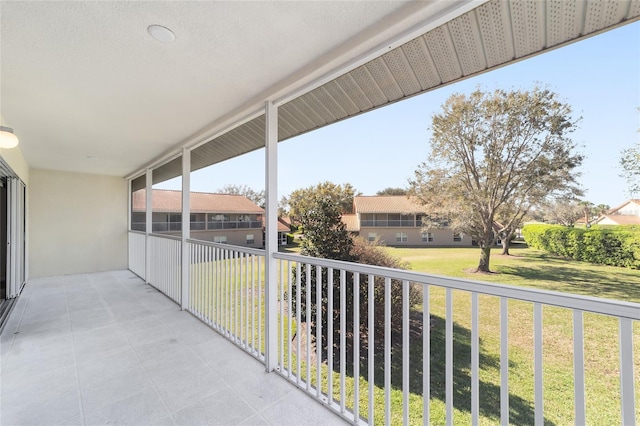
x=505 y=244
x=485 y=253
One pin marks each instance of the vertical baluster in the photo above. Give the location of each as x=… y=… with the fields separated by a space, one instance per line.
x=280 y=264
x=578 y=368
x=405 y=352
x=289 y=318
x=371 y=333
x=449 y=356
x=504 y=361
x=318 y=331
x=426 y=355
x=261 y=288
x=343 y=337
x=537 y=361
x=330 y=333
x=298 y=319
x=307 y=294
x=356 y=347
x=627 y=382
x=387 y=351
x=475 y=361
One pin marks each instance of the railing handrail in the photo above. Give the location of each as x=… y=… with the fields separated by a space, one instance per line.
x=133 y=231
x=166 y=236
x=597 y=305
x=242 y=249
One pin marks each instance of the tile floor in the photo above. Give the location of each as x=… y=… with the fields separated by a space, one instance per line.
x=105 y=348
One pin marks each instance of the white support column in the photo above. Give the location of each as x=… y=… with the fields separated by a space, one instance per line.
x=186 y=225
x=12 y=238
x=148 y=225
x=271 y=235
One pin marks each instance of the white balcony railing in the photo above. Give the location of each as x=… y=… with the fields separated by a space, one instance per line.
x=399 y=375
x=137 y=253
x=166 y=267
x=227 y=292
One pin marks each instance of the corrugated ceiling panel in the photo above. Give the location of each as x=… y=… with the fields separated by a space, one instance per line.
x=167 y=171
x=564 y=21
x=139 y=183
x=603 y=13
x=241 y=140
x=420 y=61
x=354 y=92
x=285 y=129
x=335 y=91
x=385 y=80
x=329 y=104
x=321 y=107
x=314 y=117
x=287 y=112
x=465 y=34
x=528 y=27
x=443 y=54
x=402 y=72
x=368 y=85
x=634 y=9
x=495 y=30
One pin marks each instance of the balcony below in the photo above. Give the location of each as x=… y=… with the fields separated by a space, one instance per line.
x=106 y=348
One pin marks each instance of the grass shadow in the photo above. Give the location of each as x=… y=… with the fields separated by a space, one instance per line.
x=521 y=411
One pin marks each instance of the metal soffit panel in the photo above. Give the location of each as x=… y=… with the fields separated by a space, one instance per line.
x=493 y=34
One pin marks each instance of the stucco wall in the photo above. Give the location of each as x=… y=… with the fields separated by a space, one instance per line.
x=77 y=223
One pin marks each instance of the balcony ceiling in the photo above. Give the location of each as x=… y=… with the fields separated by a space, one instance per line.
x=88 y=90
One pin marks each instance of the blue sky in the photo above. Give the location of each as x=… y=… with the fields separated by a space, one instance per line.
x=599 y=77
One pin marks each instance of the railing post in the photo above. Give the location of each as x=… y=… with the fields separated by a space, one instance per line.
x=186 y=227
x=271 y=235
x=148 y=225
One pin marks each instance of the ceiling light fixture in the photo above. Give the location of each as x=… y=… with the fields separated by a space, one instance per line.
x=7 y=138
x=161 y=33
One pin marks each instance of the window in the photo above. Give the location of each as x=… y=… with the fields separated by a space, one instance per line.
x=457 y=237
x=220 y=239
x=401 y=237
x=250 y=239
x=372 y=236
x=427 y=237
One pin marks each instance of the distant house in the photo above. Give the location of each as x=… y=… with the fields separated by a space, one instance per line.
x=396 y=220
x=223 y=218
x=627 y=213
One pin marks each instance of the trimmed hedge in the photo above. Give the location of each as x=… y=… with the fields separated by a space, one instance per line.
x=607 y=245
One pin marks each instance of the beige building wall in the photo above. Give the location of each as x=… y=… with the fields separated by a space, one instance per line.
x=441 y=237
x=77 y=223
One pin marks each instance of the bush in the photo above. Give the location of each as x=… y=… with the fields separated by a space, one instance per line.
x=326 y=237
x=607 y=245
x=290 y=239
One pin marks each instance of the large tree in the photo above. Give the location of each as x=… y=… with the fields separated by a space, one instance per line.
x=630 y=163
x=301 y=200
x=257 y=197
x=496 y=153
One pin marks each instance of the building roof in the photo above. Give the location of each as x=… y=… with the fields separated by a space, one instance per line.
x=615 y=209
x=351 y=222
x=201 y=202
x=387 y=204
x=620 y=219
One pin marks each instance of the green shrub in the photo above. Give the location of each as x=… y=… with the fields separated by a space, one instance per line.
x=608 y=245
